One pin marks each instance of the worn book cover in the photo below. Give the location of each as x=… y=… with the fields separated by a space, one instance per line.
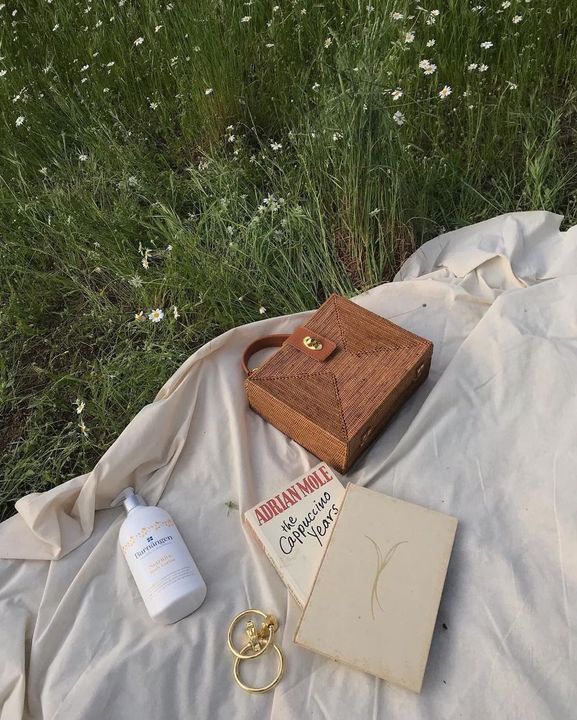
x=294 y=526
x=376 y=595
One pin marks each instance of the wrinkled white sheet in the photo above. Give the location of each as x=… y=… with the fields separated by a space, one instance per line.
x=491 y=438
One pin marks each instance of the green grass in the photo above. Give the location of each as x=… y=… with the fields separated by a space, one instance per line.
x=170 y=165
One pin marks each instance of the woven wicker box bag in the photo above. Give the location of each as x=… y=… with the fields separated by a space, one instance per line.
x=336 y=381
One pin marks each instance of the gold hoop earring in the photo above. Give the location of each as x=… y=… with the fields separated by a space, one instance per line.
x=259 y=641
x=264 y=688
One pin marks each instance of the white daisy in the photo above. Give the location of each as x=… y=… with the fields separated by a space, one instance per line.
x=397 y=94
x=472 y=66
x=136 y=282
x=483 y=68
x=208 y=91
x=19 y=120
x=409 y=37
x=445 y=92
x=430 y=69
x=486 y=45
x=175 y=312
x=138 y=41
x=517 y=19
x=397 y=16
x=156 y=316
x=83 y=157
x=430 y=43
x=399 y=118
x=262 y=310
x=245 y=19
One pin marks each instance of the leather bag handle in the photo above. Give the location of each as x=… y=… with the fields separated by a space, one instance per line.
x=260 y=344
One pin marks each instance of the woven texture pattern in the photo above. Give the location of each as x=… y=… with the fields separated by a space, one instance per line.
x=336 y=407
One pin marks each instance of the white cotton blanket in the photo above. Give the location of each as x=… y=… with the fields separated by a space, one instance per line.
x=491 y=438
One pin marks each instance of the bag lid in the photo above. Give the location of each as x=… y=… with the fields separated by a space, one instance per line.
x=371 y=356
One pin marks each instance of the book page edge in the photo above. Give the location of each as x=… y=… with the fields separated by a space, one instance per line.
x=304 y=607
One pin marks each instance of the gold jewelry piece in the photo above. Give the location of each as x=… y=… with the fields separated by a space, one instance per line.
x=271 y=684
x=312 y=343
x=259 y=641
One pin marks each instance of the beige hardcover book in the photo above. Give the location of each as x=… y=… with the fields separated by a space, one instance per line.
x=375 y=598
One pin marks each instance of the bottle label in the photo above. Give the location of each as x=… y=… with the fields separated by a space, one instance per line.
x=159 y=559
x=167 y=580
x=146 y=532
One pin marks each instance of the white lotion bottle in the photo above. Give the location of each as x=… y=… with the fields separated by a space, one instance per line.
x=163 y=569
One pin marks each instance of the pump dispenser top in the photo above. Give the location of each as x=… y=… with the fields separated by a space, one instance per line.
x=129 y=499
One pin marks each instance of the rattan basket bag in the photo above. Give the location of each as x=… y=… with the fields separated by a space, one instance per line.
x=335 y=382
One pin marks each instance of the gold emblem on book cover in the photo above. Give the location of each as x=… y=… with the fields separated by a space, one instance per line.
x=381 y=565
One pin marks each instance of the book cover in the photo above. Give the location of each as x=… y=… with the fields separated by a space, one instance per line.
x=294 y=526
x=377 y=592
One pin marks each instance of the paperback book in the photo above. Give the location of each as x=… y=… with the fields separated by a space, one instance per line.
x=294 y=525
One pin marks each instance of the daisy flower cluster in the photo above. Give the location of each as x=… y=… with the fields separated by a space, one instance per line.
x=416 y=25
x=80 y=405
x=156 y=315
x=149 y=255
x=427 y=67
x=419 y=31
